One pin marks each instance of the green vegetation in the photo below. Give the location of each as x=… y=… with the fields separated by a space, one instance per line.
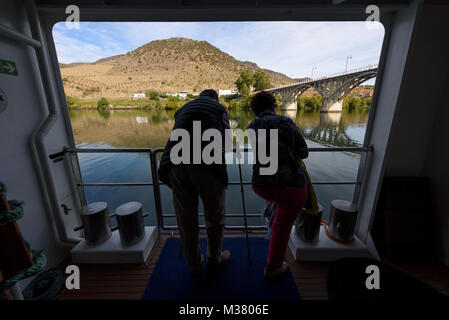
x=352 y=103
x=172 y=103
x=153 y=95
x=279 y=100
x=349 y=103
x=248 y=80
x=103 y=104
x=245 y=82
x=71 y=102
x=261 y=80
x=233 y=104
x=312 y=103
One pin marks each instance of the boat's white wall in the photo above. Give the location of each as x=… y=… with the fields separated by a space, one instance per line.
x=25 y=111
x=392 y=66
x=420 y=135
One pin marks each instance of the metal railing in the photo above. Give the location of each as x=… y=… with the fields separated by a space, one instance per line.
x=156 y=184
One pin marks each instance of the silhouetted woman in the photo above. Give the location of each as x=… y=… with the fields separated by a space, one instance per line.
x=287 y=187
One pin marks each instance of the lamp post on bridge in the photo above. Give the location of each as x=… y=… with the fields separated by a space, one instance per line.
x=313 y=68
x=347 y=59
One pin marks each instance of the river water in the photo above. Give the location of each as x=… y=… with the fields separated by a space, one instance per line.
x=151 y=129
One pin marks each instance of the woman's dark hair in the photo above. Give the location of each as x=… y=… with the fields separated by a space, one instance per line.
x=263 y=101
x=210 y=93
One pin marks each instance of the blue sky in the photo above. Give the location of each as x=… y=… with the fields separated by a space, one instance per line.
x=293 y=48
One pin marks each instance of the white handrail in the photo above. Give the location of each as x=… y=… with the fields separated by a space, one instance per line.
x=14 y=35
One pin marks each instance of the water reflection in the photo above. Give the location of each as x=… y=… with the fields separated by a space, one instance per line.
x=332 y=129
x=151 y=129
x=289 y=113
x=141 y=120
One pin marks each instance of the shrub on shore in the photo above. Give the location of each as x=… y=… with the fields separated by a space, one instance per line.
x=103 y=104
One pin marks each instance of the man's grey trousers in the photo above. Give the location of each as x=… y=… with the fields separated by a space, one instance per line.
x=188 y=182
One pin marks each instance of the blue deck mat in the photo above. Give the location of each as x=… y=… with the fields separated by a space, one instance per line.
x=172 y=280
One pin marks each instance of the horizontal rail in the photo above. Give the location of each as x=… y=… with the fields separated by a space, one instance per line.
x=139 y=184
x=149 y=150
x=157 y=150
x=228 y=215
x=156 y=183
x=115 y=184
x=262 y=227
x=341 y=149
x=112 y=150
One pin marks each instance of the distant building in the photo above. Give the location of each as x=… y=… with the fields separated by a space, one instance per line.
x=195 y=93
x=227 y=92
x=172 y=94
x=138 y=95
x=182 y=94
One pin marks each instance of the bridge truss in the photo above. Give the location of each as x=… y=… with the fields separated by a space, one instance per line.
x=333 y=89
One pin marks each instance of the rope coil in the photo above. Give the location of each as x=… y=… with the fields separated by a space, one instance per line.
x=38 y=257
x=12 y=215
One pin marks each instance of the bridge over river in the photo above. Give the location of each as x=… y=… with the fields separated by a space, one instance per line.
x=332 y=88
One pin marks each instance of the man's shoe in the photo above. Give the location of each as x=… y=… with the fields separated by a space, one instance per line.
x=223 y=261
x=197 y=270
x=271 y=272
x=197 y=273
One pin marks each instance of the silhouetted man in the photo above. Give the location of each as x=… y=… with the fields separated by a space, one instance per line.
x=208 y=181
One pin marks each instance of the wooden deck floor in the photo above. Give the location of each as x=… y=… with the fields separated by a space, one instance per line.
x=130 y=281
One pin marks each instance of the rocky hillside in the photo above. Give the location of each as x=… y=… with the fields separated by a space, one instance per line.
x=175 y=64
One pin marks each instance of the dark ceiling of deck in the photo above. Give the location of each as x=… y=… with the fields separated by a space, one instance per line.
x=219 y=3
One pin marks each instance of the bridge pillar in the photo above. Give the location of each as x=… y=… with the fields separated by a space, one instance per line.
x=289 y=104
x=332 y=106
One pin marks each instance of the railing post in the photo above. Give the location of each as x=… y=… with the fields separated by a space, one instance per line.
x=361 y=174
x=156 y=191
x=242 y=190
x=77 y=176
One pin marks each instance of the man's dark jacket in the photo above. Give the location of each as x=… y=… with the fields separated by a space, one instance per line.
x=291 y=146
x=212 y=115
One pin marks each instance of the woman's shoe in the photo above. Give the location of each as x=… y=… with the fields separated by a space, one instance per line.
x=271 y=272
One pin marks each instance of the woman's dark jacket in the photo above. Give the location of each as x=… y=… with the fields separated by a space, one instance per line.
x=291 y=145
x=212 y=115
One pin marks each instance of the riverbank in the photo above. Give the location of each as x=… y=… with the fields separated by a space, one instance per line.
x=111 y=108
x=174 y=103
